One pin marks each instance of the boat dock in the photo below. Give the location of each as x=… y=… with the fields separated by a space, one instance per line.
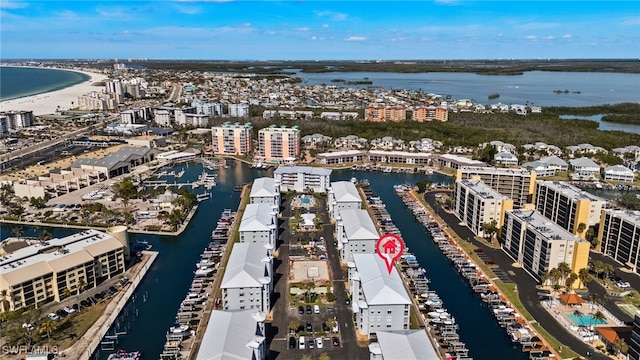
x=90 y=341
x=506 y=316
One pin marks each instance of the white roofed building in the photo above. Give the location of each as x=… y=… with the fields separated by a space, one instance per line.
x=341 y=157
x=355 y=233
x=248 y=278
x=618 y=173
x=585 y=166
x=402 y=345
x=343 y=195
x=303 y=178
x=505 y=158
x=234 y=334
x=259 y=224
x=379 y=299
x=265 y=190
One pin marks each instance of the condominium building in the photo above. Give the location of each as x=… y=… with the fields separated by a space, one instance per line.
x=634 y=341
x=234 y=334
x=239 y=110
x=265 y=190
x=379 y=299
x=539 y=245
x=343 y=195
x=402 y=345
x=398 y=157
x=303 y=178
x=48 y=271
x=248 y=278
x=568 y=206
x=516 y=184
x=18 y=119
x=277 y=144
x=619 y=237
x=430 y=113
x=355 y=233
x=341 y=157
x=232 y=139
x=379 y=113
x=475 y=204
x=163 y=118
x=207 y=108
x=259 y=224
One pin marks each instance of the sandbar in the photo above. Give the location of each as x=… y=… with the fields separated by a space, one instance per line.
x=49 y=102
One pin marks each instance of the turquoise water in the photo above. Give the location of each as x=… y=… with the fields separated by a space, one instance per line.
x=16 y=82
x=585 y=320
x=305 y=201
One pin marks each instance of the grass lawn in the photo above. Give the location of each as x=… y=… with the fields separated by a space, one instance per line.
x=79 y=325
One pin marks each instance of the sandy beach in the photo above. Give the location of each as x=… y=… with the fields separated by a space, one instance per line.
x=47 y=103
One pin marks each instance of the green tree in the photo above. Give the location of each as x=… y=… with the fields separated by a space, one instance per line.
x=489 y=229
x=38 y=203
x=571 y=279
x=47 y=326
x=82 y=284
x=324 y=356
x=423 y=185
x=6 y=194
x=66 y=292
x=621 y=346
x=125 y=190
x=18 y=230
x=294 y=324
x=584 y=276
x=581 y=228
x=564 y=269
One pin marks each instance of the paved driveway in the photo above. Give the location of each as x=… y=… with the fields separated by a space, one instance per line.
x=525 y=283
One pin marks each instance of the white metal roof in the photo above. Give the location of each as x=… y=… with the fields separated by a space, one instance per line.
x=257 y=217
x=358 y=225
x=345 y=191
x=263 y=187
x=302 y=169
x=246 y=266
x=231 y=334
x=406 y=345
x=378 y=286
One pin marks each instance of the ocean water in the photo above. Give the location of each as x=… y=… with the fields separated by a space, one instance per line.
x=16 y=82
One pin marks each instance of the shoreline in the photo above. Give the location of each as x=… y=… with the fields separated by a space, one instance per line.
x=47 y=102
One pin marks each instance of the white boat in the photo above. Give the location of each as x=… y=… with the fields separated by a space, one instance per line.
x=202 y=197
x=180 y=330
x=204 y=271
x=93 y=195
x=193 y=298
x=503 y=310
x=205 y=264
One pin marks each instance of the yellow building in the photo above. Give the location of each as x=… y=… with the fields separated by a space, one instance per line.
x=51 y=270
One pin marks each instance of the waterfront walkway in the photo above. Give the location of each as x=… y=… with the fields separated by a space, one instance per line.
x=526 y=285
x=89 y=342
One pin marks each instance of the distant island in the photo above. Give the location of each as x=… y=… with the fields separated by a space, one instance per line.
x=494 y=96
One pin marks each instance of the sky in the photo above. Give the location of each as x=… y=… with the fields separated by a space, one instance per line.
x=319 y=30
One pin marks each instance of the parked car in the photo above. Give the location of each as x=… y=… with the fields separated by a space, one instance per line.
x=311 y=343
x=309 y=309
x=69 y=310
x=54 y=316
x=300 y=309
x=319 y=343
x=316 y=309
x=623 y=284
x=309 y=327
x=28 y=326
x=302 y=343
x=292 y=342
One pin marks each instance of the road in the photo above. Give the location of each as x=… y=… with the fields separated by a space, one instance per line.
x=526 y=285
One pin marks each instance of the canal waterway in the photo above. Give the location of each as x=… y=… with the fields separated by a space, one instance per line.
x=159 y=294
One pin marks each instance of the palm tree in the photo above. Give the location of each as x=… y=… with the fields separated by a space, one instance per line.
x=594 y=299
x=47 y=326
x=581 y=228
x=564 y=269
x=556 y=289
x=570 y=281
x=66 y=292
x=584 y=276
x=597 y=267
x=621 y=346
x=17 y=231
x=5 y=304
x=82 y=284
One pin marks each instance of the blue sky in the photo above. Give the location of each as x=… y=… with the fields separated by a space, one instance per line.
x=319 y=30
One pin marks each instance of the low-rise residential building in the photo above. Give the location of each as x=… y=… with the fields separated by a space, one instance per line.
x=48 y=270
x=568 y=206
x=584 y=149
x=355 y=233
x=400 y=157
x=343 y=195
x=350 y=141
x=619 y=237
x=547 y=166
x=618 y=173
x=539 y=245
x=475 y=204
x=232 y=139
x=505 y=158
x=457 y=161
x=379 y=299
x=265 y=190
x=516 y=184
x=234 y=334
x=341 y=157
x=248 y=278
x=402 y=345
x=338 y=116
x=303 y=178
x=585 y=166
x=259 y=224
x=315 y=139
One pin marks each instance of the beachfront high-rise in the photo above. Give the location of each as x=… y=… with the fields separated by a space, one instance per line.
x=619 y=237
x=279 y=144
x=475 y=204
x=517 y=184
x=539 y=245
x=568 y=206
x=232 y=139
x=17 y=120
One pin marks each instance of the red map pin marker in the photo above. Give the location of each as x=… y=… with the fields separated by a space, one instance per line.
x=389 y=247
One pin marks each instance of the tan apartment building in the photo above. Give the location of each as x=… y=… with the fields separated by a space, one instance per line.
x=232 y=139
x=279 y=144
x=619 y=237
x=51 y=270
x=475 y=203
x=517 y=184
x=539 y=245
x=430 y=113
x=568 y=206
x=380 y=113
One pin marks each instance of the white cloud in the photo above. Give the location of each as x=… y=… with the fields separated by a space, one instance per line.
x=303 y=29
x=314 y=37
x=356 y=38
x=6 y=4
x=567 y=36
x=333 y=15
x=537 y=26
x=532 y=37
x=550 y=37
x=325 y=26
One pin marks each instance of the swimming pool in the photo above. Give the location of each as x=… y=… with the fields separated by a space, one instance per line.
x=305 y=201
x=585 y=320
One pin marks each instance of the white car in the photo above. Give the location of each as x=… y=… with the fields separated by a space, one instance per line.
x=623 y=284
x=54 y=316
x=69 y=310
x=302 y=343
x=27 y=326
x=319 y=343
